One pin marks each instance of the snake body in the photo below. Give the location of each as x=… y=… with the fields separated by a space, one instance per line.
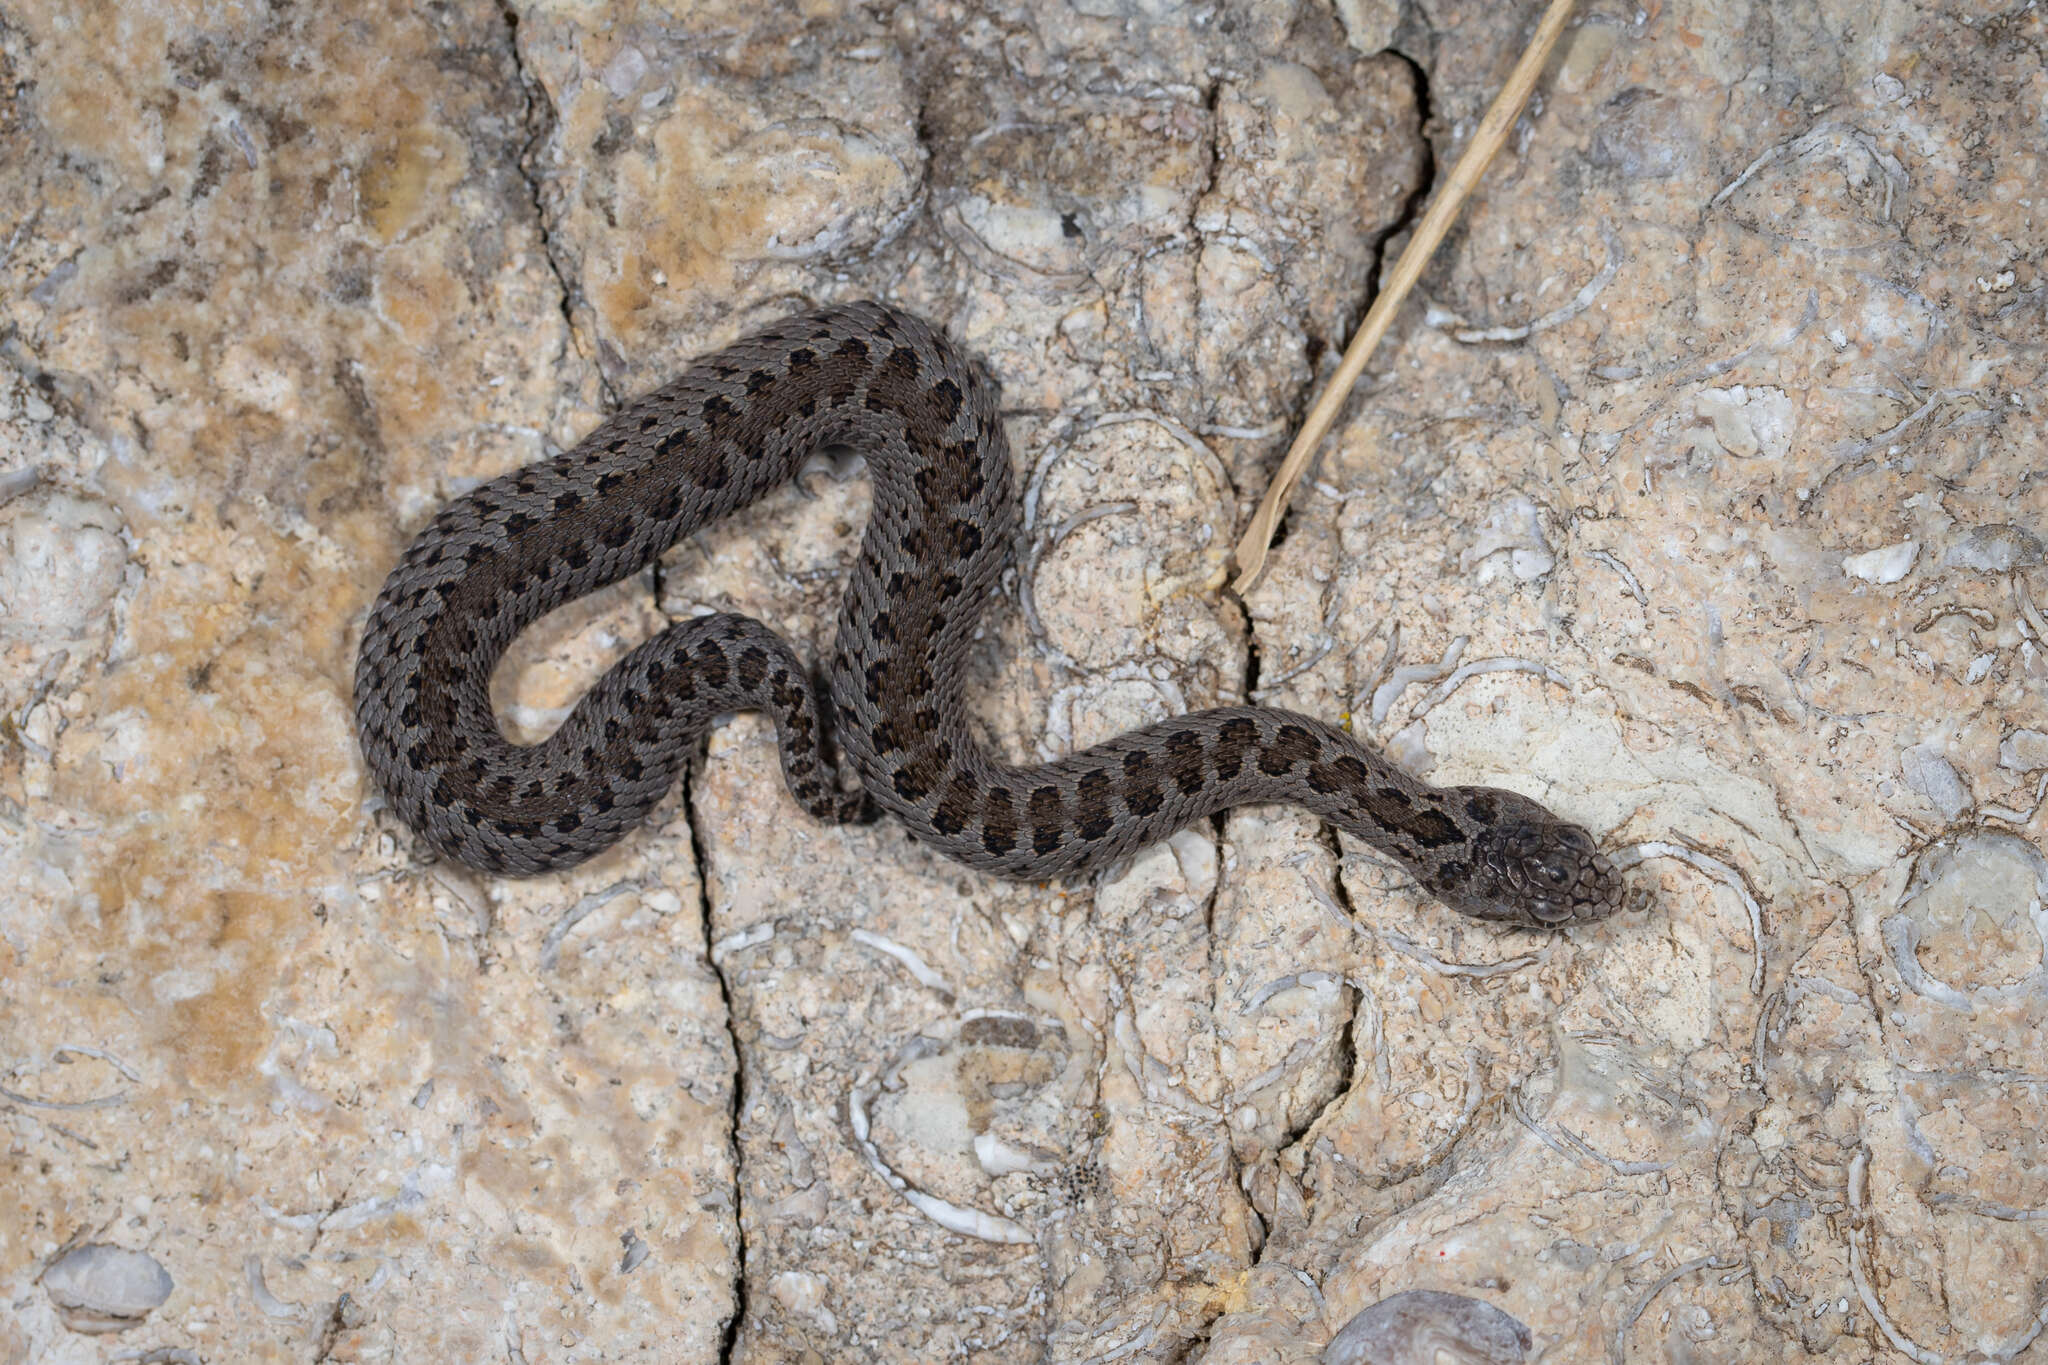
x=734 y=425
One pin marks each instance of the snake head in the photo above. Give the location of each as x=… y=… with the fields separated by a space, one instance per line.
x=1527 y=867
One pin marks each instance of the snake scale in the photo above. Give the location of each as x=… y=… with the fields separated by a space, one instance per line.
x=734 y=425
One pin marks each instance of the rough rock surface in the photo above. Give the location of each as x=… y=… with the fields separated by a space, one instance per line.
x=1700 y=493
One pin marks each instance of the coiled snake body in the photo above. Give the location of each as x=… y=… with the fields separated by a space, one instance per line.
x=734 y=425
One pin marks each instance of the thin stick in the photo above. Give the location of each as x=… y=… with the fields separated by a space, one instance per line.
x=1464 y=178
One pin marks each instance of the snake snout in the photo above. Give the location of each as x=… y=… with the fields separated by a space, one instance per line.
x=1546 y=874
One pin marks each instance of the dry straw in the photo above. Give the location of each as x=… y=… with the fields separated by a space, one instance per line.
x=1464 y=178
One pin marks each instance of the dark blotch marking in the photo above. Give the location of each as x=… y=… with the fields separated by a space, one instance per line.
x=1291 y=745
x=949 y=479
x=1142 y=796
x=910 y=783
x=1184 y=761
x=1434 y=829
x=714 y=473
x=753 y=669
x=1353 y=771
x=998 y=822
x=963 y=459
x=1047 y=824
x=948 y=396
x=1427 y=826
x=712 y=667
x=901 y=366
x=1234 y=740
x=1482 y=807
x=956 y=808
x=1091 y=805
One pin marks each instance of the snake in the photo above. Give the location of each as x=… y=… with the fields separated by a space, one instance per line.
x=884 y=728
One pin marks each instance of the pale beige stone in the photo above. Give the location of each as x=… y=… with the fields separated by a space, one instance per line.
x=2026 y=750
x=1697 y=495
x=98 y=1288
x=1887 y=564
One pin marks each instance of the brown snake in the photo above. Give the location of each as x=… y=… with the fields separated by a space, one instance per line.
x=734 y=425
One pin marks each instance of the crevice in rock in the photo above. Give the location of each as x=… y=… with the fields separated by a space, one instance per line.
x=729 y=1339
x=1411 y=211
x=1212 y=102
x=1338 y=891
x=1347 y=1045
x=538 y=117
x=331 y=1330
x=1418 y=198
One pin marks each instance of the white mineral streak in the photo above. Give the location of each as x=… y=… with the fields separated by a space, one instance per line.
x=925 y=974
x=968 y=1222
x=998 y=1157
x=1887 y=565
